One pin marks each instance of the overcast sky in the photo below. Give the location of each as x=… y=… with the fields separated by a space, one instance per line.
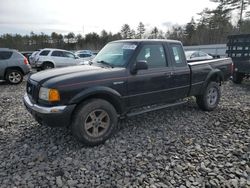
x=84 y=16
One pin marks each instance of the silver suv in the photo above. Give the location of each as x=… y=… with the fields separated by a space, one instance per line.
x=13 y=66
x=52 y=58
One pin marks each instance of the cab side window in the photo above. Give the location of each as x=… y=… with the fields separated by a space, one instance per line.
x=178 y=54
x=153 y=54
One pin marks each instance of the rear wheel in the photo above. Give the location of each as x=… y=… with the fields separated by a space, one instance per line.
x=47 y=65
x=209 y=100
x=237 y=77
x=94 y=122
x=14 y=76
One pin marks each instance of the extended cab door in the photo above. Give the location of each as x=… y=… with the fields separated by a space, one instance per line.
x=181 y=77
x=150 y=86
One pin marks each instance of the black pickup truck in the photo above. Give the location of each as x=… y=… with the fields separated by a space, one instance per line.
x=126 y=78
x=239 y=50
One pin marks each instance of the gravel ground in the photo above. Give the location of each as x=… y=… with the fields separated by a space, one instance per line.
x=177 y=147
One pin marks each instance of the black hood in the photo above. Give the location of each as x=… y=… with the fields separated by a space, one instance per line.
x=59 y=77
x=43 y=76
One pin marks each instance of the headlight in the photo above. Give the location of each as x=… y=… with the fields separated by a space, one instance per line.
x=51 y=95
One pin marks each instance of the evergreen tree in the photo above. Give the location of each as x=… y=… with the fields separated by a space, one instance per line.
x=189 y=32
x=140 y=30
x=154 y=33
x=231 y=5
x=125 y=31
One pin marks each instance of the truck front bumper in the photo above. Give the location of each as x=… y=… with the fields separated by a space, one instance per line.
x=55 y=116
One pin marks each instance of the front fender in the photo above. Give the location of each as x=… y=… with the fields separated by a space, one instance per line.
x=102 y=92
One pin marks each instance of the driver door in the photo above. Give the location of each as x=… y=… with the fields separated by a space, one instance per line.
x=150 y=86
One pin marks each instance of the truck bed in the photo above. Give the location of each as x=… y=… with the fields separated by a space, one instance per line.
x=201 y=69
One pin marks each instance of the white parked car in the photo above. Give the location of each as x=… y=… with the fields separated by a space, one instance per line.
x=197 y=55
x=33 y=56
x=53 y=58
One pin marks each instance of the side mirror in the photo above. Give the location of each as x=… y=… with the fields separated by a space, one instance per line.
x=139 y=65
x=77 y=57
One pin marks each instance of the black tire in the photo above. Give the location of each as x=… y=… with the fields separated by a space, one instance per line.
x=237 y=78
x=47 y=65
x=210 y=98
x=88 y=127
x=14 y=76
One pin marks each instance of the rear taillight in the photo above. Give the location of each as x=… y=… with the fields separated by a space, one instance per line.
x=25 y=61
x=232 y=68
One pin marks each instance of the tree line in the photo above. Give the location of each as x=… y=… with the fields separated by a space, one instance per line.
x=212 y=27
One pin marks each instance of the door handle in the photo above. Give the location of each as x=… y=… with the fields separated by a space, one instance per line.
x=169 y=74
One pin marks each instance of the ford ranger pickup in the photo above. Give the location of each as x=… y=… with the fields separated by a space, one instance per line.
x=126 y=78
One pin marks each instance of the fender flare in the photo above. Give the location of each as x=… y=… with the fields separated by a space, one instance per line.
x=106 y=93
x=213 y=73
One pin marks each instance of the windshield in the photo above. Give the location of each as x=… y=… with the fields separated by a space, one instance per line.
x=115 y=54
x=188 y=53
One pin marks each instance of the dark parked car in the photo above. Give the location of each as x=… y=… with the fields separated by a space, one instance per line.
x=239 y=51
x=124 y=77
x=13 y=66
x=27 y=54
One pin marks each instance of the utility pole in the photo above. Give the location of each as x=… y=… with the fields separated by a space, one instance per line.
x=241 y=12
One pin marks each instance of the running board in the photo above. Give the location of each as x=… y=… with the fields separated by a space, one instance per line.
x=154 y=108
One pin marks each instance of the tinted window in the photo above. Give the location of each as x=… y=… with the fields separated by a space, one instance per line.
x=44 y=53
x=57 y=53
x=84 y=55
x=178 y=54
x=153 y=54
x=5 y=55
x=69 y=55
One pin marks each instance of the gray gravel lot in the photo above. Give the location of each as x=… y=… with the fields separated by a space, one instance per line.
x=177 y=147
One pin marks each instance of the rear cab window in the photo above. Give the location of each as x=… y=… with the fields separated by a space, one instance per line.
x=4 y=55
x=178 y=55
x=44 y=52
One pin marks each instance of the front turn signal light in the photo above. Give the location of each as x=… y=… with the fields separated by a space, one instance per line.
x=54 y=95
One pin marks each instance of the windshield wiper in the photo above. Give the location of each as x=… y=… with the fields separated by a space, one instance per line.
x=105 y=63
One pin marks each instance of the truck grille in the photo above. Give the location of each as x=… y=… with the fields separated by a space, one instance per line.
x=32 y=90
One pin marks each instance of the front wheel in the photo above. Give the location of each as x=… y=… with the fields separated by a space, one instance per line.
x=46 y=66
x=94 y=122
x=209 y=100
x=14 y=76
